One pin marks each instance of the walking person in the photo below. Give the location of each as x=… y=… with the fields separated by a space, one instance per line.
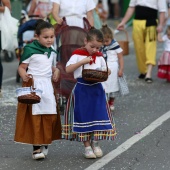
x=39 y=124
x=3 y=4
x=42 y=8
x=73 y=11
x=164 y=61
x=145 y=27
x=114 y=57
x=87 y=117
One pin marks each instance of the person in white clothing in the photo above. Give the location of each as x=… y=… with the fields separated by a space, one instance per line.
x=39 y=124
x=3 y=4
x=73 y=11
x=42 y=8
x=114 y=58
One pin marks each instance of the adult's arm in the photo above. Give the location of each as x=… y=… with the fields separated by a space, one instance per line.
x=130 y=11
x=32 y=8
x=90 y=17
x=5 y=3
x=55 y=13
x=162 y=18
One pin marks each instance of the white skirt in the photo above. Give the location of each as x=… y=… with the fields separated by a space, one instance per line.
x=111 y=85
x=47 y=104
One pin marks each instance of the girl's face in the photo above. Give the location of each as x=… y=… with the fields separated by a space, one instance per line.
x=107 y=41
x=93 y=46
x=46 y=38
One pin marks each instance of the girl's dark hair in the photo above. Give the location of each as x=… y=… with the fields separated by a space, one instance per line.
x=107 y=32
x=40 y=25
x=95 y=34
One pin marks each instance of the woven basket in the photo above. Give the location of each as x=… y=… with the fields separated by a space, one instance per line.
x=95 y=76
x=28 y=94
x=124 y=44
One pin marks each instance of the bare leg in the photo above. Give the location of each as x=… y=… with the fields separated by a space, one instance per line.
x=149 y=71
x=86 y=143
x=148 y=77
x=116 y=10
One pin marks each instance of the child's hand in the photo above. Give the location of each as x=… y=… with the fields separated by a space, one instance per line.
x=109 y=71
x=56 y=75
x=25 y=77
x=120 y=73
x=86 y=60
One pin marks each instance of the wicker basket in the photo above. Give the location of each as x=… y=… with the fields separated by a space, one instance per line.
x=95 y=76
x=124 y=44
x=28 y=94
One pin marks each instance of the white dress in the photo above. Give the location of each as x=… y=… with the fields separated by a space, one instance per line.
x=111 y=85
x=74 y=10
x=40 y=66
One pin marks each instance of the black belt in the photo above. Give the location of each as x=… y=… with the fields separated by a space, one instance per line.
x=146 y=13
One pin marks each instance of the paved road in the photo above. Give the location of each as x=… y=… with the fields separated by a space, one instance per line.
x=140 y=145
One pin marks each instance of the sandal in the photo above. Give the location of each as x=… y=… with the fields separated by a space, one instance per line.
x=148 y=80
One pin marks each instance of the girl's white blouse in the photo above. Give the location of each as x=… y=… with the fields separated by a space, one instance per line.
x=99 y=64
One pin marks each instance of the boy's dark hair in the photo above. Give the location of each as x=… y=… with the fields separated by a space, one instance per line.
x=95 y=34
x=40 y=25
x=107 y=32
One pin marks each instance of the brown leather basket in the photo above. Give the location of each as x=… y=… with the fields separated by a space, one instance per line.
x=95 y=75
x=28 y=94
x=124 y=44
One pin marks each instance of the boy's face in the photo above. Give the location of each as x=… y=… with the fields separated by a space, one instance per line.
x=107 y=41
x=93 y=46
x=46 y=38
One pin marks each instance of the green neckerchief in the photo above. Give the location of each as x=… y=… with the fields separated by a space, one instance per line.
x=35 y=48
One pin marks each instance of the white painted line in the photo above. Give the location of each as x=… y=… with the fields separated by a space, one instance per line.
x=128 y=143
x=9 y=79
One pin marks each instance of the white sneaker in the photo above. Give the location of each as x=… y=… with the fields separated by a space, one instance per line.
x=44 y=150
x=96 y=149
x=89 y=153
x=38 y=155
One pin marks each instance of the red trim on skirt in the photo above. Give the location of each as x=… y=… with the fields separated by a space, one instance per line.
x=164 y=72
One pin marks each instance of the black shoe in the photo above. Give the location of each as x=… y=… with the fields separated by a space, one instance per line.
x=148 y=80
x=141 y=76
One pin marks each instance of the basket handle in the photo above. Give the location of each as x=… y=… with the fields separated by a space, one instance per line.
x=29 y=83
x=126 y=33
x=106 y=65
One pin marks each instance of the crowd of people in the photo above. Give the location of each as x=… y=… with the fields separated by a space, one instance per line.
x=39 y=124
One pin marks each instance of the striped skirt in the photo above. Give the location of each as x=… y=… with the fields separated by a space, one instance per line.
x=84 y=118
x=164 y=66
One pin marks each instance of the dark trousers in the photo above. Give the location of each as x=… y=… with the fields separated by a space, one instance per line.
x=1 y=68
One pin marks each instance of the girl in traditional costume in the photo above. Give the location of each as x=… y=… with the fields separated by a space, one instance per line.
x=114 y=57
x=39 y=124
x=87 y=117
x=164 y=61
